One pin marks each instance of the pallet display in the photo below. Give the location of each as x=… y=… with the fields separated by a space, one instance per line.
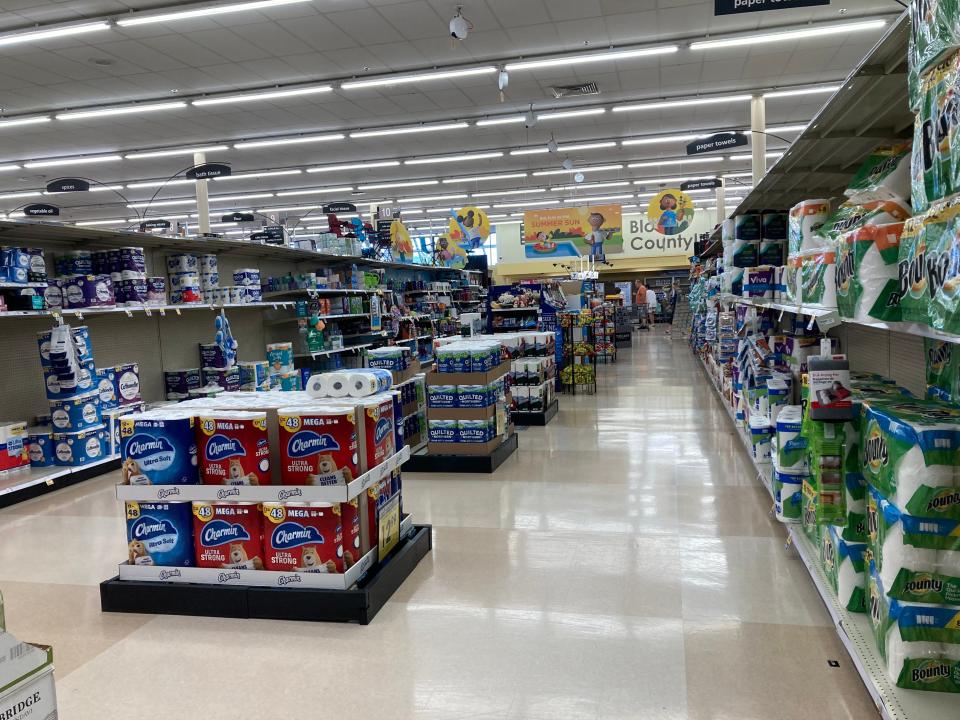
x=834 y=369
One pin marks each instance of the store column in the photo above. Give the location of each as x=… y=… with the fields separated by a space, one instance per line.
x=758 y=137
x=203 y=198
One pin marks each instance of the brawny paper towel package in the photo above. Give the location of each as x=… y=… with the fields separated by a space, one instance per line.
x=916 y=641
x=917 y=559
x=804 y=222
x=911 y=450
x=867 y=274
x=844 y=565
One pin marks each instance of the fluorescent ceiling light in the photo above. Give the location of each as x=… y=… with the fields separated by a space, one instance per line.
x=410 y=129
x=72 y=161
x=122 y=110
x=236 y=198
x=92 y=223
x=13 y=196
x=572 y=171
x=174 y=153
x=495 y=193
x=295 y=208
x=822 y=89
x=146 y=19
x=432 y=211
x=673 y=104
x=788 y=35
x=157 y=183
x=354 y=166
x=683 y=161
x=508 y=120
x=249 y=144
x=53 y=32
x=453 y=158
x=431 y=198
x=410 y=183
x=316 y=191
x=484 y=178
x=265 y=95
x=661 y=139
x=786 y=128
x=570 y=114
x=8 y=168
x=159 y=217
x=661 y=181
x=590 y=186
x=387 y=80
x=773 y=154
x=599 y=198
x=14 y=122
x=566 y=148
x=257 y=175
x=582 y=58
x=161 y=203
x=527 y=204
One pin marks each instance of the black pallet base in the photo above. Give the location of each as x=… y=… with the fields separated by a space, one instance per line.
x=358 y=605
x=462 y=463
x=77 y=476
x=535 y=418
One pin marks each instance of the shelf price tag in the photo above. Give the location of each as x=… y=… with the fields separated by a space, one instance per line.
x=147 y=311
x=163 y=312
x=177 y=310
x=129 y=313
x=389 y=530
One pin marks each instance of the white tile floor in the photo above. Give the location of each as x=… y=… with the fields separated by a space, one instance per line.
x=622 y=564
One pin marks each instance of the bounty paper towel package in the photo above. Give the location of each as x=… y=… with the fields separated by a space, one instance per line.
x=943 y=379
x=804 y=222
x=930 y=268
x=937 y=174
x=787 y=494
x=917 y=559
x=916 y=641
x=867 y=273
x=884 y=175
x=934 y=33
x=911 y=450
x=791 y=445
x=844 y=565
x=818 y=278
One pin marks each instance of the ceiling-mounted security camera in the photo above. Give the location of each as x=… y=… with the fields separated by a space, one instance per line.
x=529 y=119
x=552 y=146
x=460 y=27
x=567 y=164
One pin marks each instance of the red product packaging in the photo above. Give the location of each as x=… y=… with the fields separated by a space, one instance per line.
x=378 y=429
x=377 y=495
x=318 y=446
x=233 y=448
x=303 y=538
x=228 y=535
x=350 y=521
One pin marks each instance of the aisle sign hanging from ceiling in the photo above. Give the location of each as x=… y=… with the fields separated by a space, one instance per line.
x=339 y=207
x=64 y=185
x=717 y=141
x=41 y=210
x=736 y=7
x=237 y=217
x=208 y=170
x=700 y=184
x=154 y=225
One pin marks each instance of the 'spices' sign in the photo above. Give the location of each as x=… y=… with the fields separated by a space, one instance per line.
x=719 y=141
x=735 y=7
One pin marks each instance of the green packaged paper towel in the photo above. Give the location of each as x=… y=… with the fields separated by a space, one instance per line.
x=867 y=279
x=884 y=175
x=843 y=563
x=943 y=379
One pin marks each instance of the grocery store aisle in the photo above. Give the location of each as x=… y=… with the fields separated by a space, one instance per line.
x=623 y=564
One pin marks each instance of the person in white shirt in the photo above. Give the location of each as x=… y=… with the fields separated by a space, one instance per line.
x=651 y=306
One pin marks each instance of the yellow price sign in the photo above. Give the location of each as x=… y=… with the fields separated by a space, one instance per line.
x=389 y=534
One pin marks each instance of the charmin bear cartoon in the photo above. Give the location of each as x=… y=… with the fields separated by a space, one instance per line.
x=329 y=473
x=238 y=557
x=131 y=475
x=313 y=563
x=237 y=477
x=137 y=553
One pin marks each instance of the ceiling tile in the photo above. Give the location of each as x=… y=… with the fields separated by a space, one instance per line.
x=414 y=20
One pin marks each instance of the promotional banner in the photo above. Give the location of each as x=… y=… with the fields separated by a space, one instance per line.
x=469 y=227
x=673 y=211
x=594 y=230
x=400 y=240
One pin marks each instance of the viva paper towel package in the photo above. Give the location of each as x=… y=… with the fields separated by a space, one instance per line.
x=917 y=559
x=918 y=642
x=911 y=453
x=867 y=281
x=943 y=379
x=884 y=175
x=844 y=565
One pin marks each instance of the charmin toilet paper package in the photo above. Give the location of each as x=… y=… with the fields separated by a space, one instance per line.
x=804 y=222
x=917 y=559
x=844 y=565
x=884 y=175
x=915 y=640
x=943 y=379
x=911 y=453
x=867 y=273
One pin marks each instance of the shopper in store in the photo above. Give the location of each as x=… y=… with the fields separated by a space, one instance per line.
x=641 y=303
x=652 y=306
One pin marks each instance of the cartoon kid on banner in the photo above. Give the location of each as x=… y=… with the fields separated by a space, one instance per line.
x=672 y=210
